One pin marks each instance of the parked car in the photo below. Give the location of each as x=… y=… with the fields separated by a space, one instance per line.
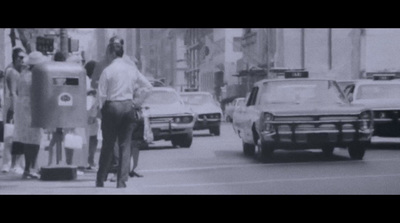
x=170 y=119
x=230 y=108
x=381 y=93
x=300 y=113
x=207 y=111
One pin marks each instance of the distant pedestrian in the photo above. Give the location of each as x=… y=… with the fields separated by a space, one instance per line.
x=30 y=137
x=93 y=121
x=116 y=88
x=12 y=150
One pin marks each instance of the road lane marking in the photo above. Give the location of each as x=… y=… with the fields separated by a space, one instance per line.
x=182 y=169
x=270 y=181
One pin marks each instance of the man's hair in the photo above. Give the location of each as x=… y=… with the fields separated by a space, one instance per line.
x=89 y=66
x=58 y=56
x=15 y=53
x=117 y=48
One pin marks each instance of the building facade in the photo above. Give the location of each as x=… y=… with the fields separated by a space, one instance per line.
x=211 y=56
x=342 y=54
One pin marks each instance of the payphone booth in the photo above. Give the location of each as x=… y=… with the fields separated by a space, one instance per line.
x=58 y=101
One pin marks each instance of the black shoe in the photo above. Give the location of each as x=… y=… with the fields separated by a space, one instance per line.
x=134 y=174
x=121 y=185
x=99 y=184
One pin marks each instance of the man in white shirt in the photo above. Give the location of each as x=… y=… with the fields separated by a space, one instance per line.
x=117 y=85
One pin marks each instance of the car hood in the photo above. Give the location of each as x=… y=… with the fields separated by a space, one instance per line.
x=203 y=109
x=379 y=104
x=314 y=109
x=170 y=109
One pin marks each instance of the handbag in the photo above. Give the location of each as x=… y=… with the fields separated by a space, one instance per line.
x=73 y=141
x=8 y=131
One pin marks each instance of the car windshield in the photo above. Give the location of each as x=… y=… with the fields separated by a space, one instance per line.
x=162 y=97
x=197 y=99
x=301 y=92
x=378 y=91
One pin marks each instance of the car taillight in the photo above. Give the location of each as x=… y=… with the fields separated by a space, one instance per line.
x=365 y=120
x=268 y=117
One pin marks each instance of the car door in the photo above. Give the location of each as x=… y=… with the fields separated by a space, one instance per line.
x=249 y=115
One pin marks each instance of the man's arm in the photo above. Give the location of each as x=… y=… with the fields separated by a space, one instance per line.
x=102 y=93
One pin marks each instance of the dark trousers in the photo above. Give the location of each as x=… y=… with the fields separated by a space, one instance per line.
x=117 y=125
x=92 y=149
x=30 y=152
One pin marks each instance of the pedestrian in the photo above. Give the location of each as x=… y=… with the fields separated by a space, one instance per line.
x=116 y=87
x=1 y=110
x=13 y=151
x=138 y=140
x=30 y=137
x=93 y=121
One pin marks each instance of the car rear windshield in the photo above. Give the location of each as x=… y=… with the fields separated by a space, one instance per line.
x=381 y=91
x=301 y=92
x=162 y=97
x=197 y=99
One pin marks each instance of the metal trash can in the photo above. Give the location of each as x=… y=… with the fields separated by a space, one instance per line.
x=58 y=95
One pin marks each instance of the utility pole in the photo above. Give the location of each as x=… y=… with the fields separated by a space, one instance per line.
x=138 y=49
x=64 y=42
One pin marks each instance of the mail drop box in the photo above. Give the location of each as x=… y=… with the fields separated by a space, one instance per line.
x=58 y=98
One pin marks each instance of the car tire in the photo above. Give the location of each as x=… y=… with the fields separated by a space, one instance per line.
x=328 y=151
x=184 y=141
x=356 y=152
x=215 y=130
x=266 y=151
x=249 y=149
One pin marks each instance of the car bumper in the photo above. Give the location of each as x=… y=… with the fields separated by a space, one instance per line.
x=166 y=130
x=206 y=124
x=317 y=138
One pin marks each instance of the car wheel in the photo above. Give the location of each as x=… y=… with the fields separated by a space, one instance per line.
x=184 y=141
x=215 y=130
x=266 y=151
x=356 y=152
x=328 y=150
x=249 y=149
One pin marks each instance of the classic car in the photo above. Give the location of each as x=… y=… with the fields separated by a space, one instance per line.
x=170 y=119
x=230 y=108
x=296 y=113
x=380 y=93
x=207 y=111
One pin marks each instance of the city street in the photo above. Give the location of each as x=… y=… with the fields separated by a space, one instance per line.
x=217 y=165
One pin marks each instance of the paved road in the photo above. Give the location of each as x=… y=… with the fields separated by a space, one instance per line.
x=216 y=165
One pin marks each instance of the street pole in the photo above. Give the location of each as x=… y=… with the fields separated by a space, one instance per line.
x=64 y=42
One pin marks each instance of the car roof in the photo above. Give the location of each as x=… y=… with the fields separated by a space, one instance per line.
x=195 y=93
x=163 y=89
x=292 y=79
x=376 y=82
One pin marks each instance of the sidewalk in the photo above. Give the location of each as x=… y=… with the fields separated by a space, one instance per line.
x=13 y=184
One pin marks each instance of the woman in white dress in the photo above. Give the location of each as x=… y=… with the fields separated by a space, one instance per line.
x=23 y=132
